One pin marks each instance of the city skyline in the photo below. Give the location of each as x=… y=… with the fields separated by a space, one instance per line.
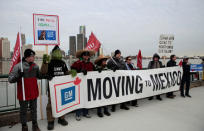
x=117 y=24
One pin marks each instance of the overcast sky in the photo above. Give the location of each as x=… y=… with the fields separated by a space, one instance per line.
x=128 y=25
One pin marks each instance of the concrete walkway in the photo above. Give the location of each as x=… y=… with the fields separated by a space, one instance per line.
x=179 y=114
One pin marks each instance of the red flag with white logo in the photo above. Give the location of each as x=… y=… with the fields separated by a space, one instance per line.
x=93 y=43
x=16 y=53
x=139 y=60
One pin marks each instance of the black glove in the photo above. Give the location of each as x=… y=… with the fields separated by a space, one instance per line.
x=115 y=68
x=21 y=74
x=99 y=70
x=84 y=72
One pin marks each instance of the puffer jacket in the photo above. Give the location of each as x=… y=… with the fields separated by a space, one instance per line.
x=31 y=73
x=79 y=66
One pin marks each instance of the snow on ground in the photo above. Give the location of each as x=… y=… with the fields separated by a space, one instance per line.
x=179 y=114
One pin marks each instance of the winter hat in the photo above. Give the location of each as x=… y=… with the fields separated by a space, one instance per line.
x=185 y=57
x=55 y=48
x=117 y=52
x=28 y=53
x=156 y=55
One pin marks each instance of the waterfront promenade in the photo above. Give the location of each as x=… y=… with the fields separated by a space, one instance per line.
x=179 y=114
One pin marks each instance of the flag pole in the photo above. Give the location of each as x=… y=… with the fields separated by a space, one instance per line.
x=23 y=89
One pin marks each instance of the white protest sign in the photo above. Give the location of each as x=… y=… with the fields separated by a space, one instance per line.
x=46 y=29
x=108 y=87
x=166 y=44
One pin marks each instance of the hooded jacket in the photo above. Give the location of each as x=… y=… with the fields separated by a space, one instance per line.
x=31 y=73
x=151 y=63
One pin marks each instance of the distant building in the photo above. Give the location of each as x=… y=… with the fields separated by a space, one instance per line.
x=26 y=46
x=82 y=30
x=4 y=54
x=72 y=45
x=4 y=48
x=85 y=42
x=23 y=39
x=100 y=51
x=80 y=40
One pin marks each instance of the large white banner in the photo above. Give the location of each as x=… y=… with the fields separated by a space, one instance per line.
x=108 y=87
x=46 y=29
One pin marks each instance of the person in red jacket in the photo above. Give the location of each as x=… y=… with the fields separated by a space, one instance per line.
x=30 y=74
x=83 y=65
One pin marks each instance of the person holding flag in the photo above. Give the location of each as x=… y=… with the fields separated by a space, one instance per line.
x=30 y=74
x=117 y=63
x=185 y=78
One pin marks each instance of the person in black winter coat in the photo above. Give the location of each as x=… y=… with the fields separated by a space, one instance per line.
x=56 y=67
x=171 y=63
x=155 y=63
x=117 y=63
x=185 y=78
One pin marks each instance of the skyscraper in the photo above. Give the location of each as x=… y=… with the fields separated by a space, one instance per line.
x=85 y=42
x=4 y=55
x=23 y=39
x=82 y=30
x=72 y=45
x=4 y=48
x=80 y=40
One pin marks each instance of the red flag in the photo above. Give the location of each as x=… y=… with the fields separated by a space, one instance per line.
x=180 y=63
x=139 y=60
x=93 y=43
x=16 y=53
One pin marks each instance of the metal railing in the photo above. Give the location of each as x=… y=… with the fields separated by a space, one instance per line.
x=8 y=96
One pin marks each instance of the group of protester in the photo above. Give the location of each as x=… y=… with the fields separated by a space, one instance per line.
x=57 y=67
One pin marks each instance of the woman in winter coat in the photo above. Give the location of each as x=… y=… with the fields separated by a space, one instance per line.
x=155 y=63
x=101 y=66
x=130 y=66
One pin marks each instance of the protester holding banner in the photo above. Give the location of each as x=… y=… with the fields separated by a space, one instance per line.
x=155 y=63
x=171 y=63
x=83 y=65
x=100 y=66
x=185 y=78
x=30 y=74
x=56 y=67
x=117 y=63
x=130 y=66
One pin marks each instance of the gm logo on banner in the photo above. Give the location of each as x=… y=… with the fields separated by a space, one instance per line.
x=68 y=95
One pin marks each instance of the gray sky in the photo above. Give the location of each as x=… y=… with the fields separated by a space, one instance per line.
x=128 y=25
